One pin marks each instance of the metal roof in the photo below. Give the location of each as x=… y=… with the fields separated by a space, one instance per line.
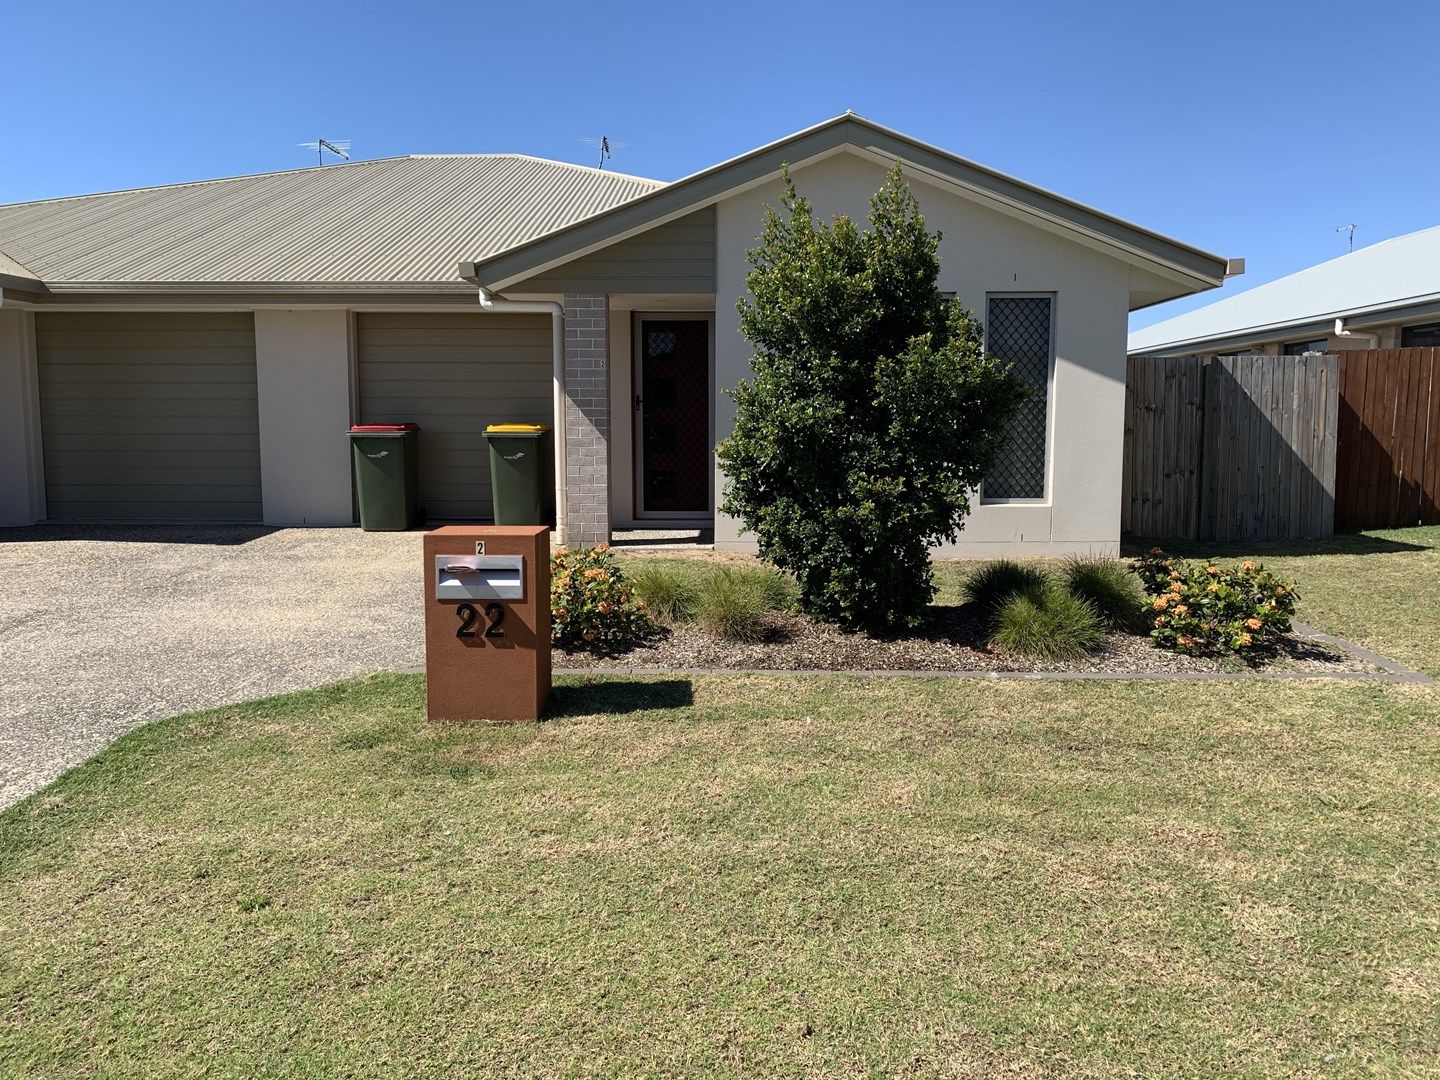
x=497 y=270
x=1397 y=273
x=396 y=220
x=13 y=274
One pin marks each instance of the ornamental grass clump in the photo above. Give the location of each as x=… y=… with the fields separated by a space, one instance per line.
x=991 y=585
x=1050 y=624
x=591 y=603
x=732 y=604
x=668 y=589
x=1201 y=607
x=1109 y=587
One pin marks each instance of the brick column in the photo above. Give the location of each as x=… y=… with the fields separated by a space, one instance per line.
x=585 y=521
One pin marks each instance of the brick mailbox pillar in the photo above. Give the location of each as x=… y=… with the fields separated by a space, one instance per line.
x=487 y=622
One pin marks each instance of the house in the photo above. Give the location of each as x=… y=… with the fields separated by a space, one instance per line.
x=196 y=351
x=1385 y=296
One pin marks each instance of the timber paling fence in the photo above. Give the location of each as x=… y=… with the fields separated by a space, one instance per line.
x=1388 y=472
x=1228 y=449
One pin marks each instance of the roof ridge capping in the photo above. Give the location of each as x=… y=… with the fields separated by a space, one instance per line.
x=548 y=161
x=501 y=269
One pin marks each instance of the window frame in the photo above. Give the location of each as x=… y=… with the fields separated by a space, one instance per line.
x=1432 y=327
x=1043 y=499
x=1304 y=346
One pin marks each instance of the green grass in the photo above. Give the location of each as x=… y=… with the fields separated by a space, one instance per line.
x=745 y=876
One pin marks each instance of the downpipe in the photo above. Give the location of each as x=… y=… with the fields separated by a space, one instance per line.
x=1340 y=331
x=557 y=379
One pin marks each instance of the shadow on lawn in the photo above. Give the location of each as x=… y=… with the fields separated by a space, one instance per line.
x=1339 y=544
x=613 y=696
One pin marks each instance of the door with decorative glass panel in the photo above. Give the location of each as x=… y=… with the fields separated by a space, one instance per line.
x=672 y=419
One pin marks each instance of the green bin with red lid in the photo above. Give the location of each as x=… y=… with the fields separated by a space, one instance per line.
x=387 y=475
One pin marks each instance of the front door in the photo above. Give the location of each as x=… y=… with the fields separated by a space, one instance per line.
x=673 y=418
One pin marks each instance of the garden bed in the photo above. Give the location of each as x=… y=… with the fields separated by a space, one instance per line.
x=954 y=641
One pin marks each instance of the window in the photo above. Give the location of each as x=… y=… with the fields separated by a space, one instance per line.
x=1420 y=337
x=1300 y=348
x=1018 y=330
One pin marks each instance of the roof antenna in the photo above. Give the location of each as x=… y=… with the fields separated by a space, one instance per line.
x=338 y=148
x=1348 y=229
x=604 y=146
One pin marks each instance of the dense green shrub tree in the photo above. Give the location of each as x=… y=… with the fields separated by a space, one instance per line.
x=873 y=411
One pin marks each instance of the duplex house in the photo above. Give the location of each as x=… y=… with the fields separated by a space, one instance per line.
x=196 y=351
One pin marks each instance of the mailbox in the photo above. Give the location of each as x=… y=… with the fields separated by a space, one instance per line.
x=487 y=622
x=480 y=577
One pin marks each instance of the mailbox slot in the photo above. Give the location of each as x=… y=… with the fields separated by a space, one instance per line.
x=480 y=577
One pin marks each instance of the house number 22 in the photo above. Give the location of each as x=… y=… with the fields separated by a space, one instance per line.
x=469 y=616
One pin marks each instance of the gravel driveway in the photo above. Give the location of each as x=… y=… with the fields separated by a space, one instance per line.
x=105 y=627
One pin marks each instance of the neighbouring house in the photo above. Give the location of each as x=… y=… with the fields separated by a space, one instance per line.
x=196 y=351
x=1385 y=296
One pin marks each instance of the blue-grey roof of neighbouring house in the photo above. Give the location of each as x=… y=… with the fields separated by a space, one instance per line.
x=387 y=221
x=1393 y=278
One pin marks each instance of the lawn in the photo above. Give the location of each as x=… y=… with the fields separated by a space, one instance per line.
x=740 y=875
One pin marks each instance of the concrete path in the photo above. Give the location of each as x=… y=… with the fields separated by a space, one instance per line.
x=103 y=628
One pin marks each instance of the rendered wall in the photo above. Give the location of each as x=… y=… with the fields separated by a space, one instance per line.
x=983 y=251
x=302 y=361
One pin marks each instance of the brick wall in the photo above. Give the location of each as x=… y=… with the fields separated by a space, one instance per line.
x=586 y=518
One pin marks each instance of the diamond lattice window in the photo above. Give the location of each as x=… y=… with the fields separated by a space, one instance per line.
x=1017 y=330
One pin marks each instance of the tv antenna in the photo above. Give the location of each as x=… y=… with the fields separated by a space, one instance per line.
x=1348 y=229
x=340 y=148
x=603 y=146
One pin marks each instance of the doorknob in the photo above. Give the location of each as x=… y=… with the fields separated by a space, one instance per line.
x=637 y=401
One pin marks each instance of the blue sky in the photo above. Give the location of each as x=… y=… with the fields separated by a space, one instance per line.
x=1251 y=129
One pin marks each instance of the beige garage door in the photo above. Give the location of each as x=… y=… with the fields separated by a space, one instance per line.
x=452 y=375
x=149 y=417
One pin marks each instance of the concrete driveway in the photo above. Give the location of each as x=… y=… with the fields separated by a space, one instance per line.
x=105 y=627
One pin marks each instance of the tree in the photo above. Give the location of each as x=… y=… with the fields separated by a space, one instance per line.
x=873 y=412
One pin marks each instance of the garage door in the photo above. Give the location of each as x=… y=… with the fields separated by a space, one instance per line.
x=452 y=375
x=149 y=417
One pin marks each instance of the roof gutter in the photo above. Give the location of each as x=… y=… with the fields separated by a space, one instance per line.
x=556 y=312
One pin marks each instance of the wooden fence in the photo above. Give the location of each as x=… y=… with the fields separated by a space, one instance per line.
x=1388 y=470
x=1230 y=448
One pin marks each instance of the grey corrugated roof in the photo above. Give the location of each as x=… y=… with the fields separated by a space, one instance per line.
x=1393 y=273
x=12 y=270
x=391 y=220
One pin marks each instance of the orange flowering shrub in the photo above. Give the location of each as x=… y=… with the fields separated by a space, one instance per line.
x=1203 y=607
x=591 y=602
